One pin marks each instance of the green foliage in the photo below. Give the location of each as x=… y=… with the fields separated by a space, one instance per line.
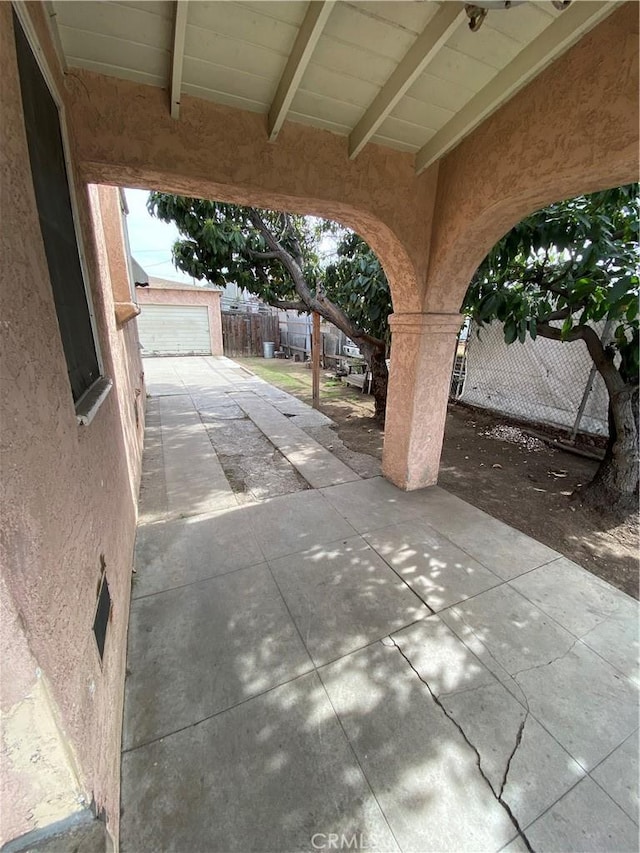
x=575 y=262
x=358 y=284
x=218 y=242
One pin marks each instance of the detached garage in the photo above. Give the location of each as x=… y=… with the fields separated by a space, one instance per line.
x=175 y=330
x=179 y=319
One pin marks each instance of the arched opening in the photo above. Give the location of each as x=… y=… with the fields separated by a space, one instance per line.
x=275 y=255
x=553 y=342
x=394 y=254
x=471 y=240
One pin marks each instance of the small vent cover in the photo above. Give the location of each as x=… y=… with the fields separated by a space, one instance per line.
x=103 y=615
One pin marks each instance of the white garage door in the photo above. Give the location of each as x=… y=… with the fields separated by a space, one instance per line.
x=174 y=330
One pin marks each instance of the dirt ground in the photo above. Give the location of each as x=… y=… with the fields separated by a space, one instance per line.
x=525 y=484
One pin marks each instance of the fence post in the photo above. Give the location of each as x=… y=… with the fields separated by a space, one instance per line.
x=458 y=368
x=316 y=344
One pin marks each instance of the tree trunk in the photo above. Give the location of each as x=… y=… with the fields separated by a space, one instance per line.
x=614 y=489
x=380 y=381
x=377 y=364
x=372 y=348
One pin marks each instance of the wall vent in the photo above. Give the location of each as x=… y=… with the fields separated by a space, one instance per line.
x=103 y=611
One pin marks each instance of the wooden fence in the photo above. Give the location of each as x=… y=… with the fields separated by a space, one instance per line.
x=244 y=334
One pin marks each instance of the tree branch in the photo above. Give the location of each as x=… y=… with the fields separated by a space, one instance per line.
x=562 y=314
x=263 y=256
x=553 y=288
x=601 y=358
x=321 y=304
x=336 y=315
x=293 y=236
x=555 y=334
x=288 y=305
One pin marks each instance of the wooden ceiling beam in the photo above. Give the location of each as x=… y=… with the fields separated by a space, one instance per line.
x=177 y=55
x=310 y=31
x=564 y=32
x=420 y=54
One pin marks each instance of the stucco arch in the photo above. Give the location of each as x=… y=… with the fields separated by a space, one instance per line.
x=536 y=150
x=393 y=254
x=221 y=153
x=573 y=129
x=485 y=231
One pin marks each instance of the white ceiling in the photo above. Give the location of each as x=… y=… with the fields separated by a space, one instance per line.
x=354 y=73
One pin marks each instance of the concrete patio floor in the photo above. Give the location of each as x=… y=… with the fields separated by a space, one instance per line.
x=348 y=666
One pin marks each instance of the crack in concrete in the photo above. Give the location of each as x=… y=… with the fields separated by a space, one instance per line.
x=452 y=719
x=513 y=752
x=546 y=663
x=468 y=689
x=492 y=656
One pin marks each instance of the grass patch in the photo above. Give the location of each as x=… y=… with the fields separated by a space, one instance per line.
x=296 y=378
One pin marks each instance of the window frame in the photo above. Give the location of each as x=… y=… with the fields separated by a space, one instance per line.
x=124 y=212
x=87 y=405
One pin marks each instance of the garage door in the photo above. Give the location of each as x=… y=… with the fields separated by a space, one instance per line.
x=174 y=330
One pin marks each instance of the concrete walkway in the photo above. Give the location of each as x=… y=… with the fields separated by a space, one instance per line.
x=347 y=666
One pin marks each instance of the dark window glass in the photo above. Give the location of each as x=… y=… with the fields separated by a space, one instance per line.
x=48 y=169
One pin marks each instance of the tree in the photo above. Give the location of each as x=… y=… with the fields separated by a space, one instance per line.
x=554 y=275
x=357 y=283
x=274 y=256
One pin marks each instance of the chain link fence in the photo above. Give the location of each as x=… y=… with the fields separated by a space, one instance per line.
x=541 y=381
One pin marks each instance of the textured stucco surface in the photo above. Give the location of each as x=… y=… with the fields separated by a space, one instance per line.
x=39 y=776
x=126 y=362
x=221 y=153
x=69 y=492
x=422 y=352
x=181 y=296
x=574 y=129
x=113 y=235
x=68 y=500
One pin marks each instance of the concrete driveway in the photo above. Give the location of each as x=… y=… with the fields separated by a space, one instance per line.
x=319 y=661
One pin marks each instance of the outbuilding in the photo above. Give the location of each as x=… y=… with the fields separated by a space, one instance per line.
x=179 y=319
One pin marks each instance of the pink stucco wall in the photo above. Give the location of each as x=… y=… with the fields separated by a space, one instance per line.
x=218 y=152
x=574 y=129
x=110 y=246
x=68 y=501
x=188 y=296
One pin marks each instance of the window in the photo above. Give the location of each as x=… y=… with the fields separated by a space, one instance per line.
x=51 y=185
x=124 y=212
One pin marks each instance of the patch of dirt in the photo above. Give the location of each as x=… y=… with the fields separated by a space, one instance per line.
x=531 y=490
x=364 y=464
x=259 y=471
x=494 y=464
x=261 y=477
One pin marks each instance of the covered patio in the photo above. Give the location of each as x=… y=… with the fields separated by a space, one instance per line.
x=274 y=105
x=380 y=651
x=351 y=666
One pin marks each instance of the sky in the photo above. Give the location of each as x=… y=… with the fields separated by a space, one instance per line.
x=151 y=240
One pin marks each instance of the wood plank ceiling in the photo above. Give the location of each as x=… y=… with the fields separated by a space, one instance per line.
x=408 y=75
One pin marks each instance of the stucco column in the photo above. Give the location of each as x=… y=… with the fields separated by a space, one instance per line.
x=422 y=351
